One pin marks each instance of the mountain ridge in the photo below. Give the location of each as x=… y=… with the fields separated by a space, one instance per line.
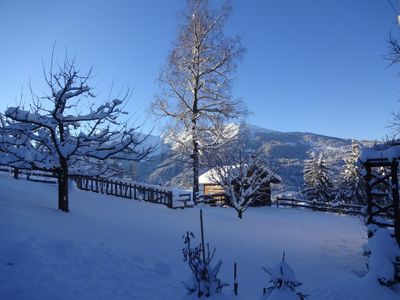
x=285 y=151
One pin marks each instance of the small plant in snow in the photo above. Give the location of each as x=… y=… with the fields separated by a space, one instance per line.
x=204 y=280
x=283 y=282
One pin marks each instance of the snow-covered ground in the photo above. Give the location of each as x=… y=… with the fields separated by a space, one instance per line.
x=113 y=248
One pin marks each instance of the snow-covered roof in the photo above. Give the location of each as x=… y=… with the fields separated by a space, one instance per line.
x=207 y=177
x=211 y=176
x=381 y=152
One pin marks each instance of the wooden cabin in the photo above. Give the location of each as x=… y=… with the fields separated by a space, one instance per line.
x=209 y=187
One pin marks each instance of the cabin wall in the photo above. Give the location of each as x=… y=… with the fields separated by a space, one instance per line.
x=212 y=189
x=264 y=195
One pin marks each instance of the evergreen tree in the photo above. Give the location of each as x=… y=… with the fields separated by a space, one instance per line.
x=317 y=183
x=352 y=186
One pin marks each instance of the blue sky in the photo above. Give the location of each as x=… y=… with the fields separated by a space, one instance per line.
x=310 y=65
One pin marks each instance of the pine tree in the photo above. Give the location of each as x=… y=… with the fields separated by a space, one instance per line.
x=352 y=186
x=317 y=183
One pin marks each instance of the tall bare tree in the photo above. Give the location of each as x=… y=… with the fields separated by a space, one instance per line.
x=196 y=82
x=60 y=135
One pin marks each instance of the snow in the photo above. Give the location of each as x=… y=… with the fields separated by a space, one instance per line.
x=114 y=248
x=383 y=250
x=389 y=153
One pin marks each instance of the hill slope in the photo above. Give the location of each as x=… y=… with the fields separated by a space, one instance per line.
x=286 y=151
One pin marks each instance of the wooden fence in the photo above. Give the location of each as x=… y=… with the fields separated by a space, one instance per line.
x=31 y=175
x=124 y=189
x=100 y=185
x=339 y=208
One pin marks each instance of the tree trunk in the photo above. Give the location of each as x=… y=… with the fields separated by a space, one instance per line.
x=16 y=173
x=63 y=186
x=240 y=214
x=195 y=156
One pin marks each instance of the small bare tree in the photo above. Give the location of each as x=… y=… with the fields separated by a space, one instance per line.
x=242 y=174
x=59 y=134
x=197 y=80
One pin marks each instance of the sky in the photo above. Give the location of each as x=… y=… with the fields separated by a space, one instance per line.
x=310 y=66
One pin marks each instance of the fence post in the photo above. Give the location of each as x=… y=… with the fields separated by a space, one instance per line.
x=235 y=282
x=170 y=200
x=16 y=173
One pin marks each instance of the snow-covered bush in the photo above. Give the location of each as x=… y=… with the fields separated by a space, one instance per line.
x=382 y=251
x=283 y=283
x=203 y=280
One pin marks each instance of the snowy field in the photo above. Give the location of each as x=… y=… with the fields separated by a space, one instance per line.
x=112 y=248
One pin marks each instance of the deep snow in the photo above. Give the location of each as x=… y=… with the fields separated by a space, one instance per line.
x=113 y=248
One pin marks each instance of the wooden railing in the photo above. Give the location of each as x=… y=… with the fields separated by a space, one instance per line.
x=31 y=175
x=124 y=189
x=339 y=208
x=101 y=185
x=211 y=199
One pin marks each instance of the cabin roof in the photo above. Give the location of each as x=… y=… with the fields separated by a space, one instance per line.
x=381 y=153
x=207 y=177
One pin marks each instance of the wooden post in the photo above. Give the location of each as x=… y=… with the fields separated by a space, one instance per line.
x=202 y=235
x=368 y=178
x=235 y=282
x=170 y=199
x=395 y=196
x=16 y=173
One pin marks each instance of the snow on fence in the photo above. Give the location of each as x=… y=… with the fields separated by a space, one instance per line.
x=31 y=175
x=124 y=189
x=340 y=208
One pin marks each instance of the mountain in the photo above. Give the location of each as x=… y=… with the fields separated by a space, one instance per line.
x=285 y=151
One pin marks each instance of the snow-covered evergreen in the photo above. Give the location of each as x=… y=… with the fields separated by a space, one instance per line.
x=351 y=183
x=317 y=182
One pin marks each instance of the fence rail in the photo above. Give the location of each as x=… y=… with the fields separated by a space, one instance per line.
x=100 y=185
x=340 y=208
x=124 y=189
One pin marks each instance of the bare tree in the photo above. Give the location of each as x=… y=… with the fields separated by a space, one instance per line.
x=59 y=134
x=242 y=174
x=197 y=80
x=393 y=56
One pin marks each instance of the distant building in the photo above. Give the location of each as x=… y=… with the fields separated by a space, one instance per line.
x=210 y=187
